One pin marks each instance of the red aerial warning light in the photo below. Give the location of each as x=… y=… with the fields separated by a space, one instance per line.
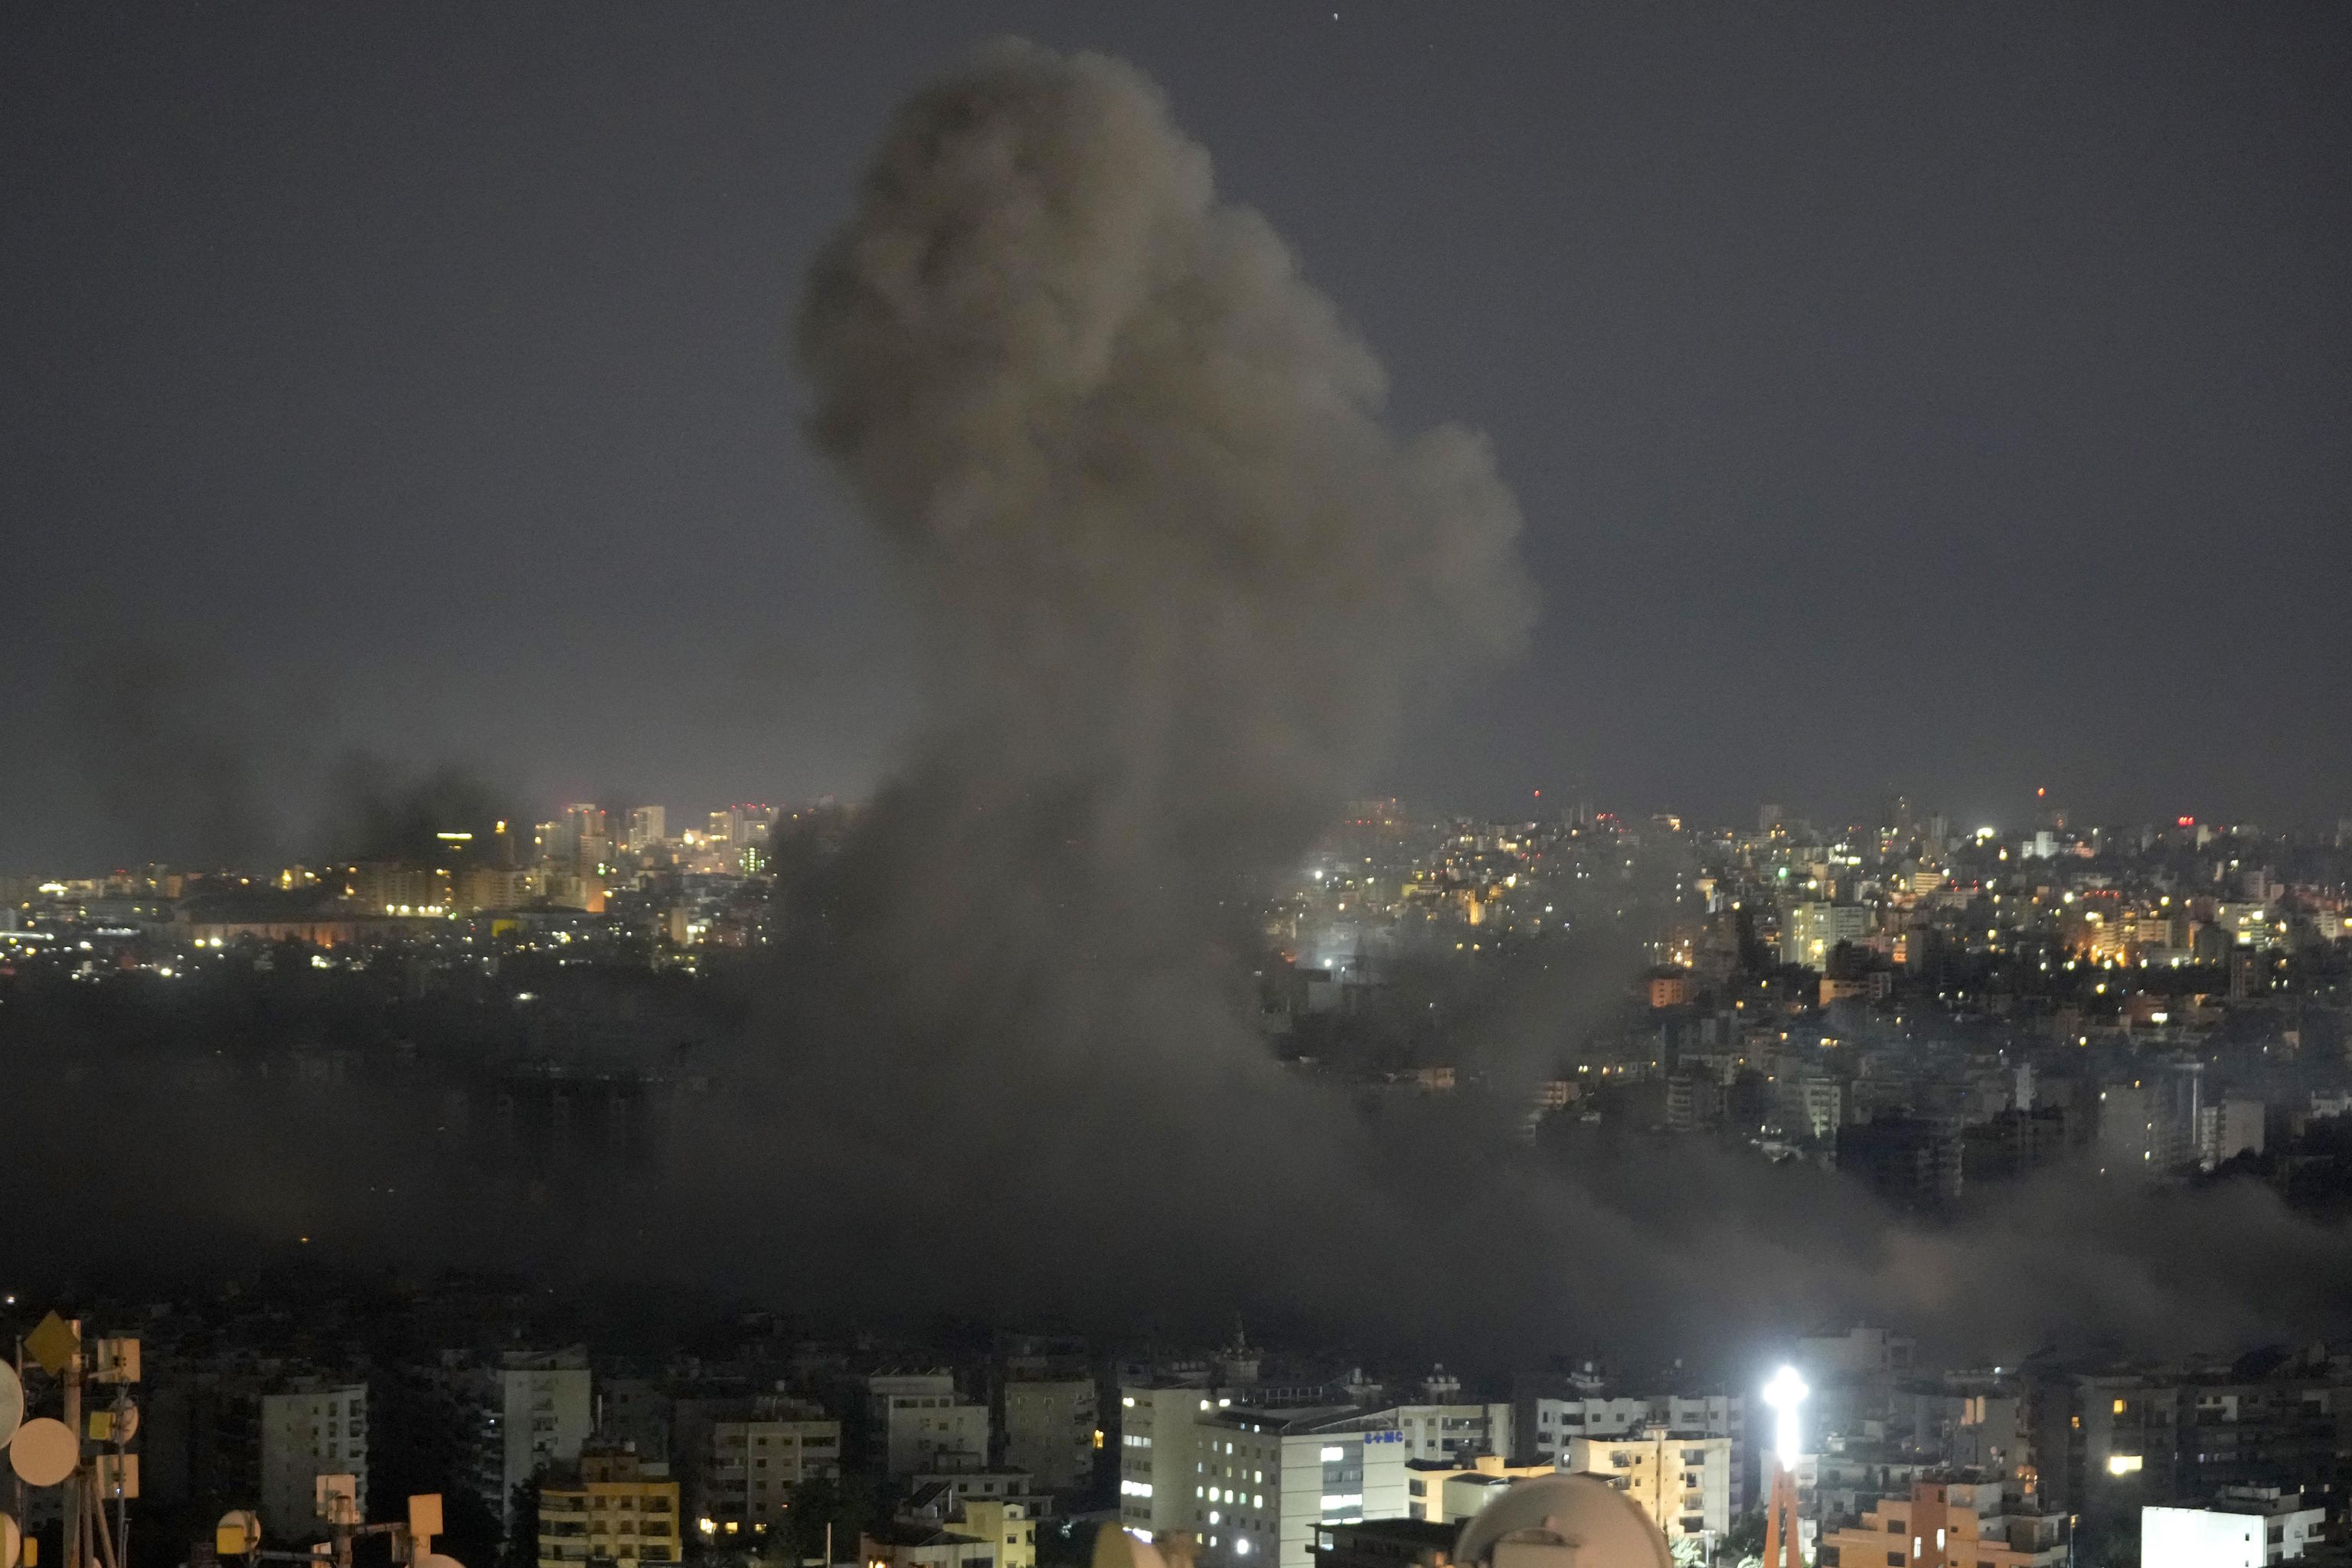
x=2185 y=822
x=2040 y=793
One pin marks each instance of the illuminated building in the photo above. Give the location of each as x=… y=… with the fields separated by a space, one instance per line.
x=1156 y=1457
x=2245 y=1526
x=1810 y=931
x=1265 y=1481
x=1950 y=1523
x=647 y=827
x=1449 y=1492
x=612 y=1507
x=1683 y=1481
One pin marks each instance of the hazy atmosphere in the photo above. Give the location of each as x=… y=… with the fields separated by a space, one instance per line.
x=1879 y=393
x=1425 y=733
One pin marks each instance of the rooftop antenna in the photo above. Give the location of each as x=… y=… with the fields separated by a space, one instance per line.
x=84 y=1452
x=238 y=1534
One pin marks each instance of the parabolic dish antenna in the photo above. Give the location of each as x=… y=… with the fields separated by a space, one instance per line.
x=436 y=1560
x=43 y=1452
x=12 y=1406
x=238 y=1533
x=1561 y=1522
x=12 y=1541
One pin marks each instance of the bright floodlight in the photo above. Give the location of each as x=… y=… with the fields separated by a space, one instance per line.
x=1784 y=1394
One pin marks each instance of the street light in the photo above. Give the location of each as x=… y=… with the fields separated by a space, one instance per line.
x=1784 y=1394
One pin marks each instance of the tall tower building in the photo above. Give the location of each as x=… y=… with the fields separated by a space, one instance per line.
x=648 y=826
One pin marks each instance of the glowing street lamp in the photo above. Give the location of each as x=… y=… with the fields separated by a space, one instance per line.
x=1784 y=1394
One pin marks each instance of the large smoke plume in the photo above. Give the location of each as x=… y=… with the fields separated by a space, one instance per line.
x=1183 y=588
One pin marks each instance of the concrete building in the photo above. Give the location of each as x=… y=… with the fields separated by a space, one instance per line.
x=1456 y=1433
x=1386 y=1543
x=2228 y=1129
x=1007 y=1526
x=1811 y=931
x=1447 y=1493
x=609 y=1507
x=919 y=1423
x=1265 y=1481
x=923 y=1546
x=1810 y=1107
x=755 y=1455
x=312 y=1428
x=1948 y=1523
x=1683 y=1481
x=648 y=826
x=535 y=1413
x=1559 y=1422
x=492 y=1425
x=2245 y=1526
x=1258 y=1483
x=1156 y=1458
x=1050 y=1430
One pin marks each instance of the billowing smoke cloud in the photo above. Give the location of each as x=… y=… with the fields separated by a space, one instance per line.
x=1180 y=577
x=1183 y=589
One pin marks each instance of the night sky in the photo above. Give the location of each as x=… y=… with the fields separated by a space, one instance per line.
x=1955 y=401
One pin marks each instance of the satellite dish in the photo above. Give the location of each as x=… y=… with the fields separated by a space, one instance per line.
x=1561 y=1522
x=12 y=1404
x=43 y=1452
x=12 y=1541
x=126 y=1423
x=239 y=1532
x=436 y=1560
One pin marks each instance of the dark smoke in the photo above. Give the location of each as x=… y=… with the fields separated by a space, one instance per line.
x=1183 y=590
x=160 y=754
x=376 y=810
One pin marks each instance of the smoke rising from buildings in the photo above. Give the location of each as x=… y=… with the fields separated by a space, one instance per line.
x=1183 y=589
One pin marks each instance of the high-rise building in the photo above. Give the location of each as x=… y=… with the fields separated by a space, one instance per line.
x=497 y=1423
x=1683 y=1480
x=609 y=1507
x=1267 y=1481
x=756 y=1457
x=1155 y=1456
x=213 y=1438
x=648 y=826
x=1560 y=1422
x=1050 y=1430
x=2228 y=1129
x=921 y=1423
x=1810 y=931
x=314 y=1428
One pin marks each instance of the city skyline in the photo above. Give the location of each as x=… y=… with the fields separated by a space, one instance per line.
x=1847 y=460
x=1181 y=787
